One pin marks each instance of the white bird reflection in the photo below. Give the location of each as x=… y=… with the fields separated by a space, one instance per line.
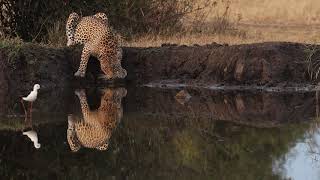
x=33 y=136
x=31 y=133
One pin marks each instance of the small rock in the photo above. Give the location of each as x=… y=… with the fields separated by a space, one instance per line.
x=182 y=97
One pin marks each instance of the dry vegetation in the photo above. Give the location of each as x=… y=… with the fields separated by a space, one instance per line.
x=284 y=12
x=155 y=22
x=245 y=21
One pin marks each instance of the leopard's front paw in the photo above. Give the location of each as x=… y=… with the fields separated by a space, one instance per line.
x=79 y=74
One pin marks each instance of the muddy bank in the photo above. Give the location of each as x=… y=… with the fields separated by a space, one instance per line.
x=255 y=64
x=268 y=64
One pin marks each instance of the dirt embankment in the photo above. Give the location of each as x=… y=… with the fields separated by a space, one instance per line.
x=255 y=64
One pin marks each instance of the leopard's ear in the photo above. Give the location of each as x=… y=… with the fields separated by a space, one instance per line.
x=73 y=142
x=103 y=147
x=74 y=16
x=75 y=148
x=102 y=16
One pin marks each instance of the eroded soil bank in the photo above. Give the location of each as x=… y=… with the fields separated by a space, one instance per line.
x=268 y=64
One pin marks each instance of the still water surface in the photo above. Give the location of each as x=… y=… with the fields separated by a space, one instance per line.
x=147 y=133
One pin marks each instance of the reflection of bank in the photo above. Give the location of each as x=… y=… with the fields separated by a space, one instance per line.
x=95 y=129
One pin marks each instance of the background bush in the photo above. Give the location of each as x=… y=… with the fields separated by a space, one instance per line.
x=37 y=20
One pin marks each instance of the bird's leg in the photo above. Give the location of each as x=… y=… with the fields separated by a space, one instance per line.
x=27 y=122
x=26 y=119
x=30 y=120
x=24 y=108
x=31 y=110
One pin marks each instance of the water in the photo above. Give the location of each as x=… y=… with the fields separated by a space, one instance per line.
x=147 y=133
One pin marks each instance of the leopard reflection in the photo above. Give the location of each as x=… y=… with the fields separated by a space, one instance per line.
x=96 y=127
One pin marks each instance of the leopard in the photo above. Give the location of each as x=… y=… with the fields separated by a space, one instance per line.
x=99 y=40
x=95 y=128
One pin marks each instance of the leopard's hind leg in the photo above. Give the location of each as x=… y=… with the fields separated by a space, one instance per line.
x=110 y=61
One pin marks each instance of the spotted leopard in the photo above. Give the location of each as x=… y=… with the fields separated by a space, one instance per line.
x=96 y=127
x=99 y=40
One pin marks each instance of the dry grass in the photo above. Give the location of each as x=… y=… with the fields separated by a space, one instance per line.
x=284 y=12
x=281 y=12
x=249 y=21
x=221 y=21
x=252 y=34
x=56 y=34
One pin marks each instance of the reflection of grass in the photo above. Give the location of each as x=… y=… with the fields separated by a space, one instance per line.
x=188 y=146
x=14 y=124
x=196 y=146
x=163 y=148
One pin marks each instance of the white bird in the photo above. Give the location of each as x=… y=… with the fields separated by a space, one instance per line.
x=33 y=94
x=31 y=97
x=33 y=136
